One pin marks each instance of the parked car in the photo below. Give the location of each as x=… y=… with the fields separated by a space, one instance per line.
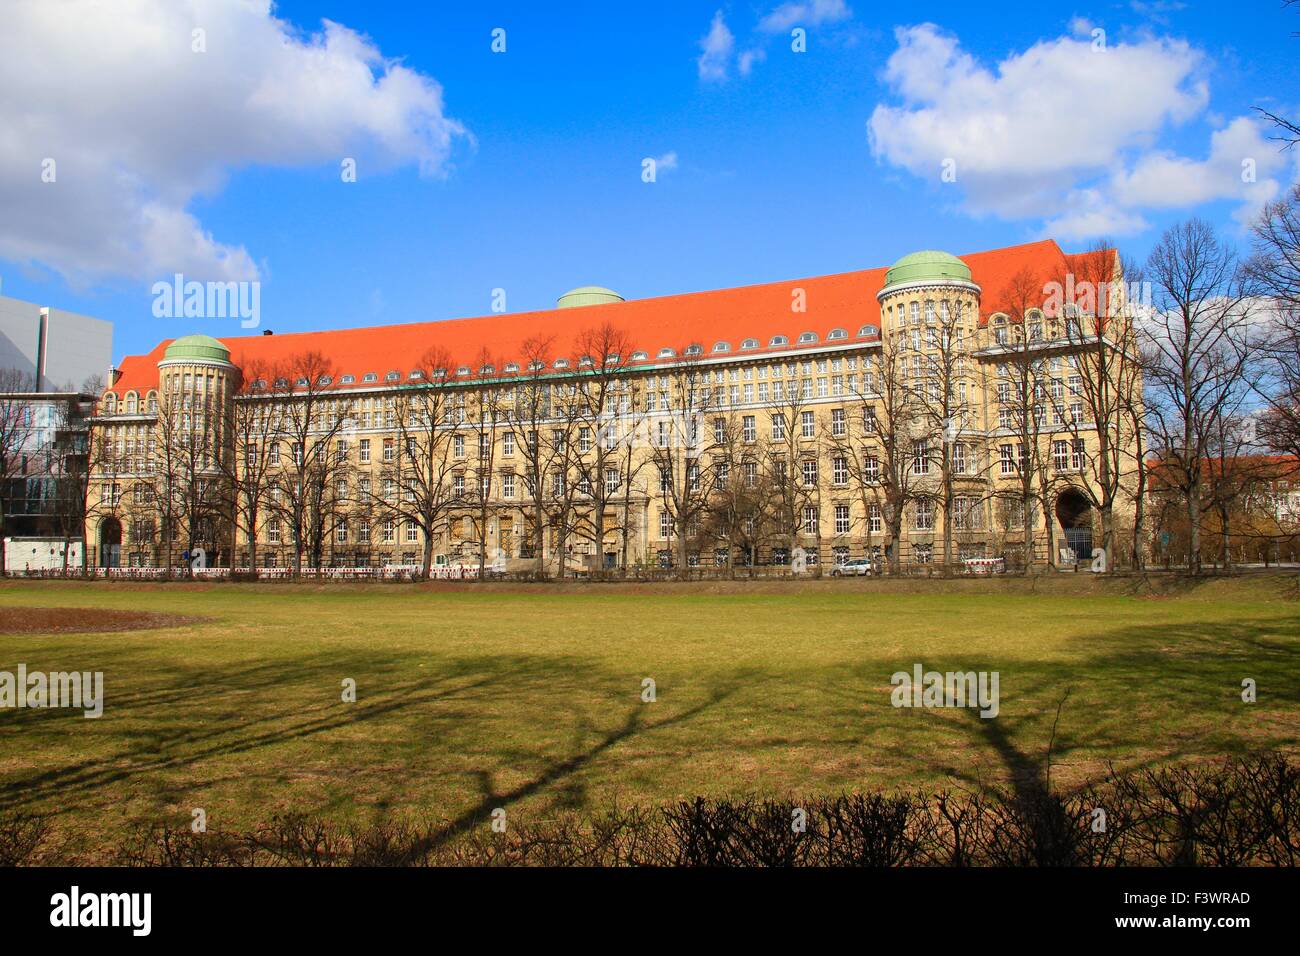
x=851 y=567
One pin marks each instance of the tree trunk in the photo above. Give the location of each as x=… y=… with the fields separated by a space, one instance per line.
x=1194 y=530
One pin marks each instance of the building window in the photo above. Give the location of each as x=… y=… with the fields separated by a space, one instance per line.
x=841 y=519
x=749 y=429
x=1077 y=454
x=810 y=473
x=921 y=458
x=924 y=515
x=778 y=427
x=665 y=525
x=871 y=469
x=1006 y=460
x=838 y=426
x=810 y=522
x=390 y=531
x=840 y=471
x=806 y=424
x=508 y=485
x=1061 y=455
x=875 y=521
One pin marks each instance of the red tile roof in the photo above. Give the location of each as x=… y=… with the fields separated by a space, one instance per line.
x=846 y=300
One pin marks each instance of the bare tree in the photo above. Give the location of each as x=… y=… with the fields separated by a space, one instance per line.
x=254 y=426
x=791 y=456
x=941 y=382
x=680 y=445
x=1274 y=268
x=1200 y=349
x=602 y=388
x=527 y=412
x=483 y=422
x=1025 y=388
x=16 y=434
x=890 y=439
x=307 y=494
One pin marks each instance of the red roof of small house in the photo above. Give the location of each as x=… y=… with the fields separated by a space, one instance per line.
x=844 y=301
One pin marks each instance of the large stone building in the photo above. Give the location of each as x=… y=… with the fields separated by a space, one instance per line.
x=944 y=408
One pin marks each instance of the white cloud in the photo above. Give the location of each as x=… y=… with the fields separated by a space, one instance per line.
x=139 y=124
x=1062 y=127
x=804 y=13
x=745 y=62
x=1166 y=180
x=717 y=45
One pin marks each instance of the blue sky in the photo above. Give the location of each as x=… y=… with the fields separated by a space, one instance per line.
x=538 y=188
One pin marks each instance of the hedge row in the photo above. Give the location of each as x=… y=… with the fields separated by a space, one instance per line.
x=1245 y=811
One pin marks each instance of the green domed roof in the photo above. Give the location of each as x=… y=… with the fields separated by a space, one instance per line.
x=929 y=264
x=587 y=295
x=201 y=348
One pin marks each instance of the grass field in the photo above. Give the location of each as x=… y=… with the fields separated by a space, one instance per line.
x=530 y=698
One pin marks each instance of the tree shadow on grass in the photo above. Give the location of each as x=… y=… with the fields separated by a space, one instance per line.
x=184 y=744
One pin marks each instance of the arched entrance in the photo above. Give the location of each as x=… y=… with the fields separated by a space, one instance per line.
x=1074 y=512
x=110 y=543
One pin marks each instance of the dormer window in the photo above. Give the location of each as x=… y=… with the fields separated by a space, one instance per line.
x=667 y=353
x=749 y=344
x=348 y=379
x=370 y=377
x=866 y=332
x=326 y=380
x=512 y=366
x=807 y=338
x=393 y=377
x=462 y=370
x=561 y=363
x=536 y=365
x=640 y=356
x=694 y=349
x=721 y=346
x=415 y=375
x=836 y=334
x=778 y=340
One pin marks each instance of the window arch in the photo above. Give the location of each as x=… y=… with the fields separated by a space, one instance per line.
x=749 y=344
x=778 y=340
x=132 y=403
x=667 y=353
x=151 y=402
x=722 y=346
x=836 y=334
x=807 y=338
x=110 y=403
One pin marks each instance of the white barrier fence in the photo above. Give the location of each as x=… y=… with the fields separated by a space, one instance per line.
x=392 y=572
x=985 y=565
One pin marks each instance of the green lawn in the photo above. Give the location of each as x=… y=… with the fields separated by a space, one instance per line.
x=528 y=698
